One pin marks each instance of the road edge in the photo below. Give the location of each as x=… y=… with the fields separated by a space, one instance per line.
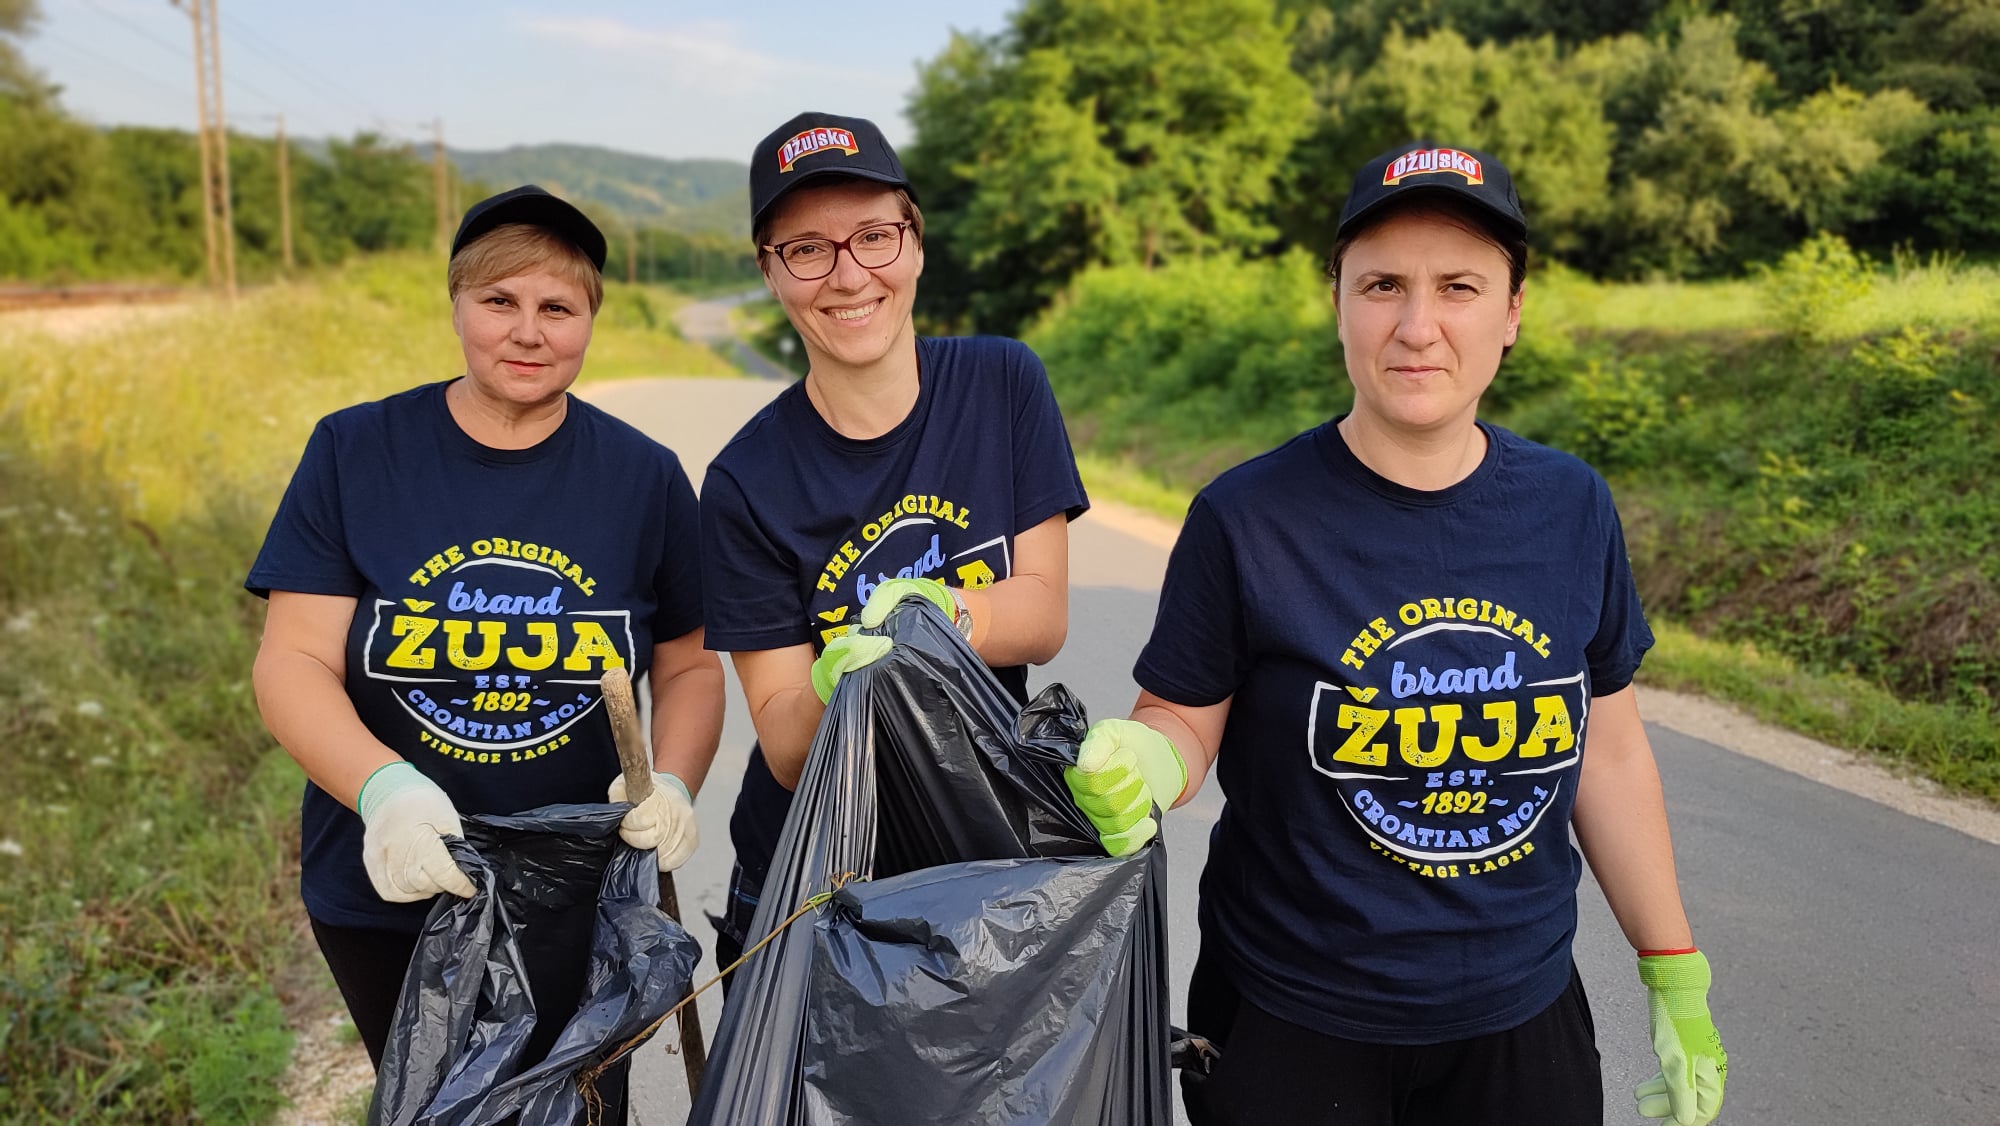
x=1723 y=725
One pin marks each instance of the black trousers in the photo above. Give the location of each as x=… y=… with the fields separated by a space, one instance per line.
x=368 y=965
x=1544 y=1072
x=732 y=927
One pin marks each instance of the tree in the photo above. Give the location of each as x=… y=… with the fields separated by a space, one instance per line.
x=1948 y=53
x=17 y=79
x=1097 y=132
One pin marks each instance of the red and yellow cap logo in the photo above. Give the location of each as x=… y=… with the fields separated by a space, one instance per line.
x=1427 y=162
x=812 y=141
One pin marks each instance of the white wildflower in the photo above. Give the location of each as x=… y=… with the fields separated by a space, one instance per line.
x=10 y=847
x=89 y=709
x=102 y=760
x=21 y=622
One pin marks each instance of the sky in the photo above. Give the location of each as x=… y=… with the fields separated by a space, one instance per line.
x=669 y=78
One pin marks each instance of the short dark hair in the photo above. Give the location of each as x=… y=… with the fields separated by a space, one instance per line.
x=761 y=236
x=1474 y=220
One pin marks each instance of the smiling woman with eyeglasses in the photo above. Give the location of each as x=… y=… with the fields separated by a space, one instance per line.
x=901 y=466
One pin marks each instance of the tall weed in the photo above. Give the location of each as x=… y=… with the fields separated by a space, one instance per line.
x=148 y=826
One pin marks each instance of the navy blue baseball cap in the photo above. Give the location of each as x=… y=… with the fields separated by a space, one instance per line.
x=535 y=206
x=814 y=146
x=1425 y=167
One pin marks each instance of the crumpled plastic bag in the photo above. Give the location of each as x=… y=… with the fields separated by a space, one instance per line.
x=986 y=962
x=550 y=882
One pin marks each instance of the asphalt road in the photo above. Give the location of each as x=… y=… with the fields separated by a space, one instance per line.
x=1856 y=949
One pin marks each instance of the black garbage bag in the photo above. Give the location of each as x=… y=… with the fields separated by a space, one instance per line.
x=986 y=962
x=465 y=1048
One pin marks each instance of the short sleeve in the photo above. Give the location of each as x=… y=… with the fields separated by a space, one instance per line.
x=1199 y=653
x=1045 y=476
x=677 y=580
x=306 y=549
x=749 y=588
x=1622 y=637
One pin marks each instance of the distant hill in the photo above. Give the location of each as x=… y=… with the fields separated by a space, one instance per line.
x=692 y=196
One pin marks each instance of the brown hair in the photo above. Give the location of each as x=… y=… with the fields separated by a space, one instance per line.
x=516 y=248
x=760 y=237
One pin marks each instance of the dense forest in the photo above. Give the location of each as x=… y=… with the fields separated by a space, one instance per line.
x=1648 y=139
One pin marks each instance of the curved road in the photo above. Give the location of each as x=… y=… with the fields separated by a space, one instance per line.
x=1856 y=948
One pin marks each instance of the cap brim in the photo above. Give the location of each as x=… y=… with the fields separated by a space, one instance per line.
x=807 y=176
x=1513 y=223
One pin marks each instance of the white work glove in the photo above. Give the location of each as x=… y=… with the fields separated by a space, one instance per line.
x=407 y=818
x=664 y=821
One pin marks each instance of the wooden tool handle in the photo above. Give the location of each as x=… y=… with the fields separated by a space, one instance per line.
x=637 y=766
x=633 y=760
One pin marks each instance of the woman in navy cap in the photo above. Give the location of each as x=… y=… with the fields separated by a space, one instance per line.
x=450 y=573
x=1390 y=638
x=901 y=466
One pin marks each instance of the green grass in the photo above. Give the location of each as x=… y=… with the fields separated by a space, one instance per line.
x=1125 y=482
x=1905 y=290
x=1956 y=745
x=149 y=923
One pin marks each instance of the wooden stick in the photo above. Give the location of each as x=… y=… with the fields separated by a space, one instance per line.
x=637 y=765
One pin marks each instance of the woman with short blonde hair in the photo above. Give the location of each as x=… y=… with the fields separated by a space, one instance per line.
x=450 y=573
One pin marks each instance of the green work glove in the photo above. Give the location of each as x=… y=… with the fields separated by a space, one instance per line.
x=1693 y=1066
x=890 y=592
x=843 y=655
x=1121 y=768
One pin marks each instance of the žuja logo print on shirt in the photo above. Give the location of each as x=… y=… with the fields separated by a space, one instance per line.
x=919 y=537
x=496 y=651
x=1452 y=735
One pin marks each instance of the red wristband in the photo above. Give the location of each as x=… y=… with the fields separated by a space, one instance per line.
x=1667 y=953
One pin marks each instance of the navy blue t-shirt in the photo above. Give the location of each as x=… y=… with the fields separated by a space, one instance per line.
x=800 y=524
x=1411 y=674
x=494 y=588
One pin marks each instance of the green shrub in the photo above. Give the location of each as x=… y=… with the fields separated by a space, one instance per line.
x=1200 y=363
x=1813 y=289
x=1615 y=415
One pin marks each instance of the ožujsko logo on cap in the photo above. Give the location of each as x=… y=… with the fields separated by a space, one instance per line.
x=812 y=141
x=1424 y=162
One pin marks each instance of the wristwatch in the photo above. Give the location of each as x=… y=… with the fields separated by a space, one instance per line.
x=963 y=618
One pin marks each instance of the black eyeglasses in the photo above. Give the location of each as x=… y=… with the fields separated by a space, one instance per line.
x=810 y=259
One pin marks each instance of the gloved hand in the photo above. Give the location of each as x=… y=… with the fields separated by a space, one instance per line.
x=844 y=654
x=1693 y=1066
x=664 y=821
x=1121 y=769
x=889 y=592
x=407 y=818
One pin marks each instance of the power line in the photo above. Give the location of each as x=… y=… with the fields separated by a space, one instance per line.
x=126 y=69
x=178 y=53
x=138 y=29
x=299 y=70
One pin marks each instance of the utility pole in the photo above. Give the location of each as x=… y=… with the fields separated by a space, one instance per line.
x=439 y=174
x=221 y=126
x=201 y=138
x=284 y=195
